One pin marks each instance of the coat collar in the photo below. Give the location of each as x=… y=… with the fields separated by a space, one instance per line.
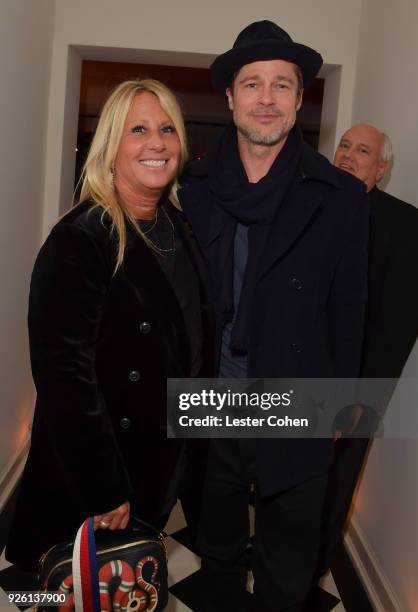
x=316 y=167
x=313 y=165
x=305 y=196
x=197 y=201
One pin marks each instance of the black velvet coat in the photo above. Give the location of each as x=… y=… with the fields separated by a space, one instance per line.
x=102 y=346
x=309 y=298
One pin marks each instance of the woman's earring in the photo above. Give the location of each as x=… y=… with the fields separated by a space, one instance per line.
x=112 y=179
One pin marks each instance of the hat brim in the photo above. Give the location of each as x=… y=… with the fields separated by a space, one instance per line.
x=226 y=65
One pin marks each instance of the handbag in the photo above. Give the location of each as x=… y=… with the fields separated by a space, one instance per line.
x=125 y=569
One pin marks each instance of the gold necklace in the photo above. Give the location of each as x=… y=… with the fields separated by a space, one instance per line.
x=153 y=225
x=173 y=237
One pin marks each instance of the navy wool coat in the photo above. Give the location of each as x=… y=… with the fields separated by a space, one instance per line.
x=102 y=346
x=309 y=303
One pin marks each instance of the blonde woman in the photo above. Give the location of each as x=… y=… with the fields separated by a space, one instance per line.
x=117 y=305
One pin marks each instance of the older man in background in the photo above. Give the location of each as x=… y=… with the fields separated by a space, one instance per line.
x=392 y=310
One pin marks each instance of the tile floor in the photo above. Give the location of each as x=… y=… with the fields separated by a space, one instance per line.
x=340 y=590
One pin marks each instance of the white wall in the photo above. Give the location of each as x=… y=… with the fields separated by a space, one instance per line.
x=25 y=48
x=387 y=96
x=386 y=510
x=187 y=32
x=387 y=85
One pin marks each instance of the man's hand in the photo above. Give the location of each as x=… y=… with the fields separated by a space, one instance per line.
x=352 y=421
x=115 y=519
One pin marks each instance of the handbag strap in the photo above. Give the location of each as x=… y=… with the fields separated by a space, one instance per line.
x=84 y=565
x=158 y=532
x=85 y=572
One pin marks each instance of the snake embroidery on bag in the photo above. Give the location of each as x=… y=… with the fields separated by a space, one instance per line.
x=133 y=593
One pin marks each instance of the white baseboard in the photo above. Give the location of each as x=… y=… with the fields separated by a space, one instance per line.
x=375 y=582
x=10 y=474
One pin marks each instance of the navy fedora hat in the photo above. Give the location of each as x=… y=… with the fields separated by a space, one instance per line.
x=263 y=40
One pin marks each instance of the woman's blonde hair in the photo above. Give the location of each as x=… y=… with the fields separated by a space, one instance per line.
x=97 y=174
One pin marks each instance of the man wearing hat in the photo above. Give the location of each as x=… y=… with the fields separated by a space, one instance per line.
x=285 y=237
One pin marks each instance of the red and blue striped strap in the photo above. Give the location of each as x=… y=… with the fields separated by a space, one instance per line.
x=85 y=571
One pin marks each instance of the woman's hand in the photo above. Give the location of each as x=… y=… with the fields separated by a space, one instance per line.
x=115 y=519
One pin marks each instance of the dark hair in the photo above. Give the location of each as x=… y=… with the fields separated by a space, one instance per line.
x=299 y=76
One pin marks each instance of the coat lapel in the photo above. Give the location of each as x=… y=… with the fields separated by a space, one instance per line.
x=302 y=202
x=293 y=216
x=207 y=219
x=153 y=288
x=185 y=233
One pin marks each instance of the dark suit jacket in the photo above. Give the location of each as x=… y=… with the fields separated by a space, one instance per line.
x=391 y=329
x=392 y=308
x=102 y=346
x=309 y=298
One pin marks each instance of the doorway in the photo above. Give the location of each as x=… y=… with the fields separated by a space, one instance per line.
x=205 y=111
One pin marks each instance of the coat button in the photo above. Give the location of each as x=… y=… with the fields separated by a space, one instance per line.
x=134 y=376
x=125 y=423
x=296 y=347
x=145 y=327
x=296 y=284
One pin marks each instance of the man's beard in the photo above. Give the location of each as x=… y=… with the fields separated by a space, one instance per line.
x=260 y=138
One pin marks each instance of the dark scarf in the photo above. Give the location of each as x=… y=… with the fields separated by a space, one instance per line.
x=254 y=205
